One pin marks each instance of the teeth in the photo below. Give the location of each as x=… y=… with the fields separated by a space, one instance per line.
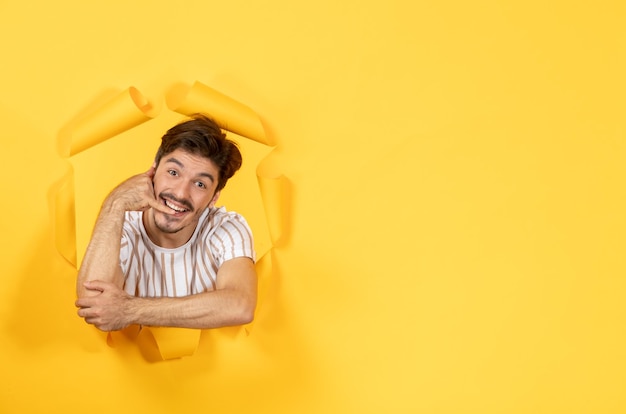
x=175 y=208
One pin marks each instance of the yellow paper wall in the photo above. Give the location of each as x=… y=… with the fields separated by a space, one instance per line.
x=456 y=204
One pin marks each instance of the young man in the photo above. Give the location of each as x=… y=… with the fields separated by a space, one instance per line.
x=161 y=253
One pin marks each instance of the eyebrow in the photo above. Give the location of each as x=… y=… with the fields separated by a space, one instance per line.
x=180 y=164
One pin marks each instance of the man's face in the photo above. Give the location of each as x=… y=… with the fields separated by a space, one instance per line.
x=186 y=184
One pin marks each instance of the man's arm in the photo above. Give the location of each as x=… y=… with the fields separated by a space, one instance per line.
x=101 y=260
x=232 y=303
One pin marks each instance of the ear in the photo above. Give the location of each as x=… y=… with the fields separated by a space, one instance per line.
x=214 y=199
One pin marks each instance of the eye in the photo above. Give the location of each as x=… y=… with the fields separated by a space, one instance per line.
x=200 y=184
x=173 y=173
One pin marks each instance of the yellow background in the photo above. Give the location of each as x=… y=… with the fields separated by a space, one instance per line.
x=457 y=212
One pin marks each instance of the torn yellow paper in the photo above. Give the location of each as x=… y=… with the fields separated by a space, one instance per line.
x=64 y=216
x=229 y=114
x=171 y=343
x=275 y=193
x=125 y=111
x=264 y=268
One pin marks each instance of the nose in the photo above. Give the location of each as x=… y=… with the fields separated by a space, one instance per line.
x=181 y=191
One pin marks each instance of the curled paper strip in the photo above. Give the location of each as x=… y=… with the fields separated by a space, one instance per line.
x=115 y=115
x=231 y=115
x=125 y=111
x=63 y=213
x=264 y=269
x=159 y=344
x=275 y=193
x=130 y=109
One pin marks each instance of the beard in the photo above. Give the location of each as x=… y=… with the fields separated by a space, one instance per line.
x=167 y=224
x=166 y=228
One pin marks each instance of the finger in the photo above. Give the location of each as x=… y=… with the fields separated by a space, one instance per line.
x=87 y=301
x=91 y=320
x=160 y=207
x=98 y=285
x=94 y=288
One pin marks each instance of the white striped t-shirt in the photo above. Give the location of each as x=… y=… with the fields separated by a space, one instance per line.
x=153 y=271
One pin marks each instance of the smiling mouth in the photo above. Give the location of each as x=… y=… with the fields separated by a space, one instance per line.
x=176 y=208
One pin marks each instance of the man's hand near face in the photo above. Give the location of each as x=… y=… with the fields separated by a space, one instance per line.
x=136 y=194
x=101 y=261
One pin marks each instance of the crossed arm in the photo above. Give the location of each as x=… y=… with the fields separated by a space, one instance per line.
x=103 y=302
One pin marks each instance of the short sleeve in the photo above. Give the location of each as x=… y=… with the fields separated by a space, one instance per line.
x=231 y=238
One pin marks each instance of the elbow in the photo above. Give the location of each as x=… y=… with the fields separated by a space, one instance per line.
x=246 y=314
x=246 y=318
x=245 y=311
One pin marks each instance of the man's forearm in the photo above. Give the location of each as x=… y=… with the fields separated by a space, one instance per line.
x=101 y=260
x=225 y=307
x=232 y=303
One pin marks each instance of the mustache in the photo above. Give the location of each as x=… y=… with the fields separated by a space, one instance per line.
x=184 y=203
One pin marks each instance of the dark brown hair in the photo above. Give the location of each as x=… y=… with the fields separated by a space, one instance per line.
x=202 y=136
